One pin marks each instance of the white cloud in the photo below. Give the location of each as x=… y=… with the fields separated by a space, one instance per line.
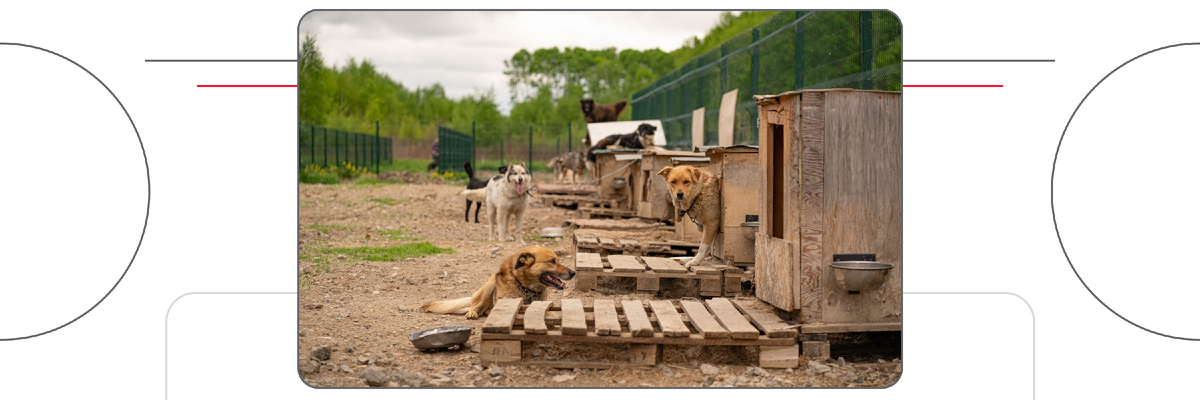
x=465 y=50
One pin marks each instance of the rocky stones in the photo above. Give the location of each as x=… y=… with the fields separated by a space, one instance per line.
x=667 y=372
x=374 y=377
x=311 y=367
x=563 y=378
x=756 y=371
x=819 y=368
x=708 y=369
x=314 y=306
x=364 y=360
x=412 y=379
x=440 y=380
x=494 y=371
x=320 y=353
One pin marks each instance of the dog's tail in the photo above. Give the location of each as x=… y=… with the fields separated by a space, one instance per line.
x=470 y=171
x=463 y=305
x=620 y=106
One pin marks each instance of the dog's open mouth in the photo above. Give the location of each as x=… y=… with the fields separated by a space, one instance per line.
x=520 y=188
x=552 y=280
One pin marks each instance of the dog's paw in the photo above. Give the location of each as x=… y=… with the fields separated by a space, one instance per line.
x=472 y=315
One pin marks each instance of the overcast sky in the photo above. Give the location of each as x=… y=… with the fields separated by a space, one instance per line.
x=465 y=50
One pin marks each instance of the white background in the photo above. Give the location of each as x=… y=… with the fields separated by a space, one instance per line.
x=976 y=193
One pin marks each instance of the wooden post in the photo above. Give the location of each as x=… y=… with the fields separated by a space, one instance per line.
x=697 y=127
x=645 y=354
x=780 y=356
x=504 y=351
x=725 y=118
x=816 y=351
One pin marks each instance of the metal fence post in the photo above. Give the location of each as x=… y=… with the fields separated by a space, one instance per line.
x=337 y=148
x=798 y=55
x=312 y=144
x=325 y=147
x=530 y=147
x=724 y=71
x=866 y=37
x=377 y=149
x=501 y=151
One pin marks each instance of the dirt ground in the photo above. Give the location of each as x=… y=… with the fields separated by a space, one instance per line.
x=355 y=316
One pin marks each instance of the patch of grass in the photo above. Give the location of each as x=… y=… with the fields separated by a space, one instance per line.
x=417 y=165
x=399 y=234
x=384 y=201
x=370 y=179
x=326 y=228
x=393 y=253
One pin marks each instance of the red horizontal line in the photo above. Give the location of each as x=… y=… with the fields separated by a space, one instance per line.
x=245 y=85
x=953 y=85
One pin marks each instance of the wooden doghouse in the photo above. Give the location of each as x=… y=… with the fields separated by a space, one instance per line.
x=830 y=162
x=738 y=167
x=613 y=166
x=651 y=190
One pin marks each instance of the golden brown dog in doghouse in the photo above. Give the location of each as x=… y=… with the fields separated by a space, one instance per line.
x=697 y=193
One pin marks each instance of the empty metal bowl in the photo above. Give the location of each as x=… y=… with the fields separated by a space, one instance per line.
x=619 y=183
x=749 y=229
x=860 y=276
x=441 y=337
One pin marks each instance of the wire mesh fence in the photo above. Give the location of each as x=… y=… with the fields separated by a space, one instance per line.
x=790 y=51
x=323 y=146
x=499 y=143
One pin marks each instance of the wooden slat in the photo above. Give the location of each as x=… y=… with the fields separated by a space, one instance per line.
x=608 y=242
x=842 y=328
x=625 y=263
x=626 y=337
x=607 y=323
x=764 y=318
x=668 y=319
x=664 y=265
x=639 y=323
x=502 y=316
x=806 y=282
x=588 y=262
x=705 y=270
x=733 y=320
x=703 y=320
x=535 y=317
x=573 y=321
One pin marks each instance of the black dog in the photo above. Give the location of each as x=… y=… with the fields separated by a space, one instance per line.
x=640 y=139
x=475 y=183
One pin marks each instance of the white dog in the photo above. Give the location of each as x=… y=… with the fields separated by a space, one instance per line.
x=506 y=196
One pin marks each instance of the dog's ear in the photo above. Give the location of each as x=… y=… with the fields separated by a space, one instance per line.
x=526 y=259
x=523 y=165
x=697 y=174
x=665 y=172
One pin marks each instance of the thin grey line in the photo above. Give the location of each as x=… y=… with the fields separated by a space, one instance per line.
x=214 y=60
x=981 y=60
x=167 y=331
x=1032 y=317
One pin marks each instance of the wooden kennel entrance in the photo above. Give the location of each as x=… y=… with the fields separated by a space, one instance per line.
x=831 y=172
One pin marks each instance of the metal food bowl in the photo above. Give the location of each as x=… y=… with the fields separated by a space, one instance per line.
x=619 y=183
x=860 y=276
x=749 y=229
x=441 y=337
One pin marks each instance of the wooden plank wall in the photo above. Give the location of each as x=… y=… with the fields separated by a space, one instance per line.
x=740 y=185
x=773 y=277
x=862 y=200
x=812 y=211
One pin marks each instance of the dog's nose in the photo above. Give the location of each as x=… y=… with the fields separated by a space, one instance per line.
x=571 y=275
x=679 y=194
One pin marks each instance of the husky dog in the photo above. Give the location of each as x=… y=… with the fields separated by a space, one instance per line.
x=567 y=164
x=506 y=196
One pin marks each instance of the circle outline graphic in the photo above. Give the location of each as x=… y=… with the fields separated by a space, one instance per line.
x=1055 y=217
x=145 y=160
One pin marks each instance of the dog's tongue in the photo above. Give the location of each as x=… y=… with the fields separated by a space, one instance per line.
x=520 y=187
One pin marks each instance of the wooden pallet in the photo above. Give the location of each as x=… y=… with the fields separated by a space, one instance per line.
x=714 y=322
x=590 y=242
x=566 y=189
x=649 y=271
x=608 y=212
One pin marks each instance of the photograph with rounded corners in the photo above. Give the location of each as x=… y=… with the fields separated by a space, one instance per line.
x=688 y=199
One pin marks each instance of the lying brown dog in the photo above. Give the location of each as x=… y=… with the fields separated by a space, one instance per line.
x=601 y=113
x=525 y=275
x=697 y=193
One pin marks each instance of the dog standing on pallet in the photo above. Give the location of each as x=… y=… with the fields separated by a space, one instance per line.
x=567 y=164
x=507 y=197
x=697 y=193
x=526 y=275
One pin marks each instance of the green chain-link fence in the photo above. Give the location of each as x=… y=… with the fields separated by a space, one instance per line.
x=499 y=143
x=324 y=146
x=792 y=50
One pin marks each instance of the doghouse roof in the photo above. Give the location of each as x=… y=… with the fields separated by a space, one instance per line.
x=774 y=98
x=738 y=148
x=597 y=131
x=672 y=153
x=681 y=160
x=606 y=151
